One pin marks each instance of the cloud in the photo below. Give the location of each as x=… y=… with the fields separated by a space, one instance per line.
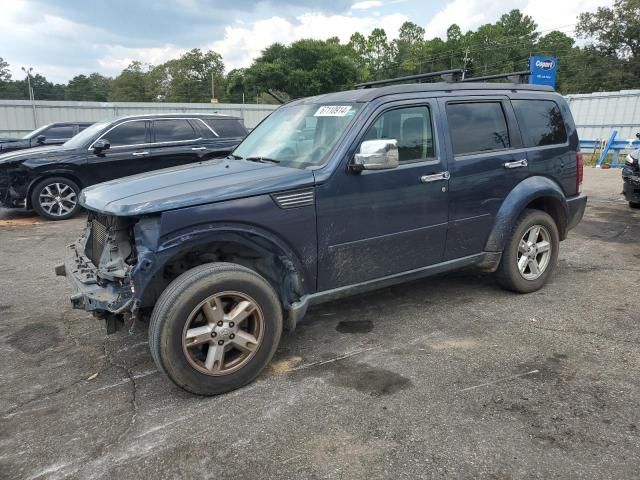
x=548 y=14
x=242 y=43
x=366 y=5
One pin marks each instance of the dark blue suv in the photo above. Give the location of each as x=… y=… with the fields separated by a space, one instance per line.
x=329 y=196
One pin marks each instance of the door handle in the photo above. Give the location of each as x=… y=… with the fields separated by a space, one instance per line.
x=517 y=164
x=198 y=148
x=139 y=154
x=435 y=177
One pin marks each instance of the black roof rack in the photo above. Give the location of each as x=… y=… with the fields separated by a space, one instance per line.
x=450 y=76
x=514 y=77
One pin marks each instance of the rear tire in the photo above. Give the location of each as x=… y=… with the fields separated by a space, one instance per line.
x=56 y=198
x=194 y=339
x=531 y=253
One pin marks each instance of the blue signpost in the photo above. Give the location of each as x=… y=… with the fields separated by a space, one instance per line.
x=543 y=70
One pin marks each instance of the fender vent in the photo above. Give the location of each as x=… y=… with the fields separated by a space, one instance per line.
x=298 y=198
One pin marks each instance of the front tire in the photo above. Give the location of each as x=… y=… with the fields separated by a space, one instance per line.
x=531 y=253
x=56 y=198
x=215 y=328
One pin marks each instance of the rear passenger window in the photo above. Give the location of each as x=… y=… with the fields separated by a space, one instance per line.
x=227 y=128
x=128 y=133
x=477 y=127
x=59 y=133
x=411 y=127
x=540 y=121
x=173 y=130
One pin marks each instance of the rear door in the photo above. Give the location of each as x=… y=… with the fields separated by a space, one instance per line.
x=56 y=135
x=175 y=141
x=227 y=133
x=487 y=162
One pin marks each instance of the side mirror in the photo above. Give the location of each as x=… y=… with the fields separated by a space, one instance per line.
x=377 y=155
x=101 y=145
x=40 y=139
x=638 y=135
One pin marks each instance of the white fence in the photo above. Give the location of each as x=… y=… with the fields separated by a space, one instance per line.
x=595 y=114
x=17 y=116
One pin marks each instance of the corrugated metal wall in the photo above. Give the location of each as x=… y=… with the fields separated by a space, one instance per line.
x=598 y=114
x=16 y=116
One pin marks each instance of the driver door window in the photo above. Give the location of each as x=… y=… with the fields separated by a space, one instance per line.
x=411 y=127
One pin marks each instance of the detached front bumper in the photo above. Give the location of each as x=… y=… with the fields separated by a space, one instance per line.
x=104 y=297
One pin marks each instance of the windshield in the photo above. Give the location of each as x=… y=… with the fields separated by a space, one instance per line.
x=86 y=135
x=299 y=136
x=35 y=132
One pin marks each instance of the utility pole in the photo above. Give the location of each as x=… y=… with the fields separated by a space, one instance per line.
x=465 y=60
x=32 y=97
x=213 y=92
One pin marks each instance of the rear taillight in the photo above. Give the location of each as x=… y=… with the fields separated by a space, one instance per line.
x=579 y=171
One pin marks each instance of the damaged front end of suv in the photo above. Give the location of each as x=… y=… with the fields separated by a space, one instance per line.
x=100 y=266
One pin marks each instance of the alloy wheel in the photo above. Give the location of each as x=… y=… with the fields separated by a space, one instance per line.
x=223 y=333
x=58 y=199
x=534 y=252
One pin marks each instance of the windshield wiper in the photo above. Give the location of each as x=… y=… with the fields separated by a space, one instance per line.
x=262 y=160
x=235 y=157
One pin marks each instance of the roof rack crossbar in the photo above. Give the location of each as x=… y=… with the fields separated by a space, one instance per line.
x=447 y=75
x=514 y=77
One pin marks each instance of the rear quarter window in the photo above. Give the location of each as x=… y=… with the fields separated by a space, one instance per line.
x=227 y=127
x=540 y=121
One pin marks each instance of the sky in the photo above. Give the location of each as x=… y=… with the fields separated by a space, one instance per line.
x=64 y=38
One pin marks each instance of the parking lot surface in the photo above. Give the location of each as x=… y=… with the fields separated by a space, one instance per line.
x=445 y=377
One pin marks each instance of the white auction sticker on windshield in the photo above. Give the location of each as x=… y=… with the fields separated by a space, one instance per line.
x=332 y=111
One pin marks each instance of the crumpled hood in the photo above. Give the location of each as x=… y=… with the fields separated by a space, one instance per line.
x=189 y=185
x=36 y=152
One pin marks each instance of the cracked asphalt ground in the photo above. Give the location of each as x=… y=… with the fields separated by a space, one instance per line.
x=444 y=377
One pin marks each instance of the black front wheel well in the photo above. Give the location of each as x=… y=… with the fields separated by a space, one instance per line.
x=264 y=259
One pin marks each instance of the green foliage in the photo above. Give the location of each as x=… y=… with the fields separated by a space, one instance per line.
x=94 y=87
x=609 y=61
x=306 y=67
x=131 y=85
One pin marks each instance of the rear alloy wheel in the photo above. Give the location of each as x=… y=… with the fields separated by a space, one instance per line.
x=531 y=253
x=56 y=198
x=215 y=328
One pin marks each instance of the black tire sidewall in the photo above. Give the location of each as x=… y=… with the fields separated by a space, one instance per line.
x=508 y=274
x=183 y=296
x=35 y=197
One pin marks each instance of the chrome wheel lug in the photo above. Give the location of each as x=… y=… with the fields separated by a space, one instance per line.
x=232 y=336
x=220 y=323
x=214 y=334
x=220 y=342
x=231 y=324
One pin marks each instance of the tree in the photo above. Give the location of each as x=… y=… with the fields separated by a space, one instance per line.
x=131 y=85
x=188 y=78
x=613 y=30
x=306 y=67
x=94 y=87
x=5 y=73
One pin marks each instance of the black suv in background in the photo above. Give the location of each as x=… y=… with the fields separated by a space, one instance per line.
x=49 y=179
x=51 y=134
